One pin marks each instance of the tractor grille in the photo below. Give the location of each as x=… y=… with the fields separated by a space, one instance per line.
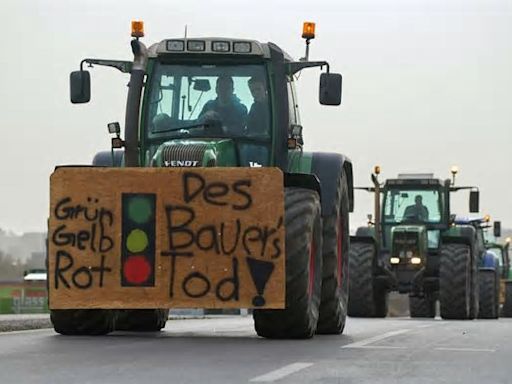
x=189 y=155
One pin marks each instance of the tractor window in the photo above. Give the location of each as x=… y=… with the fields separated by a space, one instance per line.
x=231 y=100
x=293 y=104
x=410 y=205
x=165 y=97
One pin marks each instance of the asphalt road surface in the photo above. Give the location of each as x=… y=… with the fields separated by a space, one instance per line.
x=226 y=350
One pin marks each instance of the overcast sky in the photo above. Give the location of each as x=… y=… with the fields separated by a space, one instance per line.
x=427 y=84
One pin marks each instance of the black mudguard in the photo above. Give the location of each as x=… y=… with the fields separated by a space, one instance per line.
x=302 y=180
x=327 y=167
x=460 y=234
x=104 y=159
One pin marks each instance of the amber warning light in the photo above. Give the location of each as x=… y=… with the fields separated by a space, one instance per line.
x=137 y=29
x=308 y=30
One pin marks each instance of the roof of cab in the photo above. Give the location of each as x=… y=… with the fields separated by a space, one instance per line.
x=163 y=48
x=415 y=179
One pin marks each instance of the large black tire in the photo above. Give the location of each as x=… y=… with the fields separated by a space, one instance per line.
x=489 y=294
x=82 y=321
x=475 y=290
x=141 y=320
x=336 y=239
x=364 y=299
x=455 y=281
x=507 y=305
x=422 y=306
x=303 y=226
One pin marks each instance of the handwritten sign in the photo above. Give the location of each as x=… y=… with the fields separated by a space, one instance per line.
x=155 y=238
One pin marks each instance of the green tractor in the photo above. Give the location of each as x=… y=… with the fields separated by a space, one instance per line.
x=415 y=246
x=219 y=102
x=501 y=252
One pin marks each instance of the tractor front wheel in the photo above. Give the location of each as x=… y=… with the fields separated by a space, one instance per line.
x=422 y=306
x=90 y=322
x=365 y=299
x=455 y=280
x=141 y=320
x=489 y=294
x=303 y=270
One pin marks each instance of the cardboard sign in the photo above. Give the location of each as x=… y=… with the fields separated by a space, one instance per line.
x=160 y=237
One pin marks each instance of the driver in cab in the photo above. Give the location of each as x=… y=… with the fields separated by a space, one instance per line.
x=226 y=108
x=417 y=211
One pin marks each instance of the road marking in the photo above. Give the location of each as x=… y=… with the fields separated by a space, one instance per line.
x=280 y=373
x=364 y=343
x=10 y=333
x=379 y=347
x=465 y=349
x=425 y=326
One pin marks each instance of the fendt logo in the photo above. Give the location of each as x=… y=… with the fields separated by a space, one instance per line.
x=181 y=163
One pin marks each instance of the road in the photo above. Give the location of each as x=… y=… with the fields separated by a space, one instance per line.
x=226 y=350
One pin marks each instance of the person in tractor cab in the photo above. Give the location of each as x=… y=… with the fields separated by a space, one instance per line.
x=259 y=117
x=417 y=211
x=226 y=108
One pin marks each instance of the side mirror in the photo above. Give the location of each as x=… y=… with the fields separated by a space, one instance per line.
x=474 y=201
x=497 y=228
x=80 y=87
x=330 y=89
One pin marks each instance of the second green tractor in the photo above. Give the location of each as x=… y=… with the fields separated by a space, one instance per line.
x=416 y=246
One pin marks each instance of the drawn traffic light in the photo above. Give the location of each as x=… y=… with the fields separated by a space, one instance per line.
x=138 y=240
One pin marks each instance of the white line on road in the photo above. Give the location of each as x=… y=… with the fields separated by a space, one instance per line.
x=25 y=331
x=364 y=343
x=280 y=373
x=425 y=326
x=465 y=349
x=379 y=347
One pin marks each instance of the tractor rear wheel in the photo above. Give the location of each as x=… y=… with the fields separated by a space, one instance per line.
x=475 y=291
x=489 y=294
x=141 y=320
x=303 y=225
x=455 y=283
x=90 y=322
x=364 y=299
x=422 y=306
x=333 y=305
x=507 y=305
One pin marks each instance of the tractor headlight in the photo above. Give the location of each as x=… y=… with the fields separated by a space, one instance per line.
x=196 y=45
x=416 y=260
x=175 y=45
x=220 y=46
x=242 y=47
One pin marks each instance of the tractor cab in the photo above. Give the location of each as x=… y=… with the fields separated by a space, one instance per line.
x=218 y=110
x=413 y=213
x=207 y=102
x=413 y=207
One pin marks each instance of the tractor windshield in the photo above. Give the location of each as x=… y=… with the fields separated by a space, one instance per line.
x=412 y=206
x=208 y=101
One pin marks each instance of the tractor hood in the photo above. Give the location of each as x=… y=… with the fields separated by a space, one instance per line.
x=196 y=153
x=408 y=241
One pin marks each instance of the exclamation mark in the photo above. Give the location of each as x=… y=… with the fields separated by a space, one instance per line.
x=260 y=273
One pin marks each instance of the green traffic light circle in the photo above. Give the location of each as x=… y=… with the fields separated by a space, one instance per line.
x=139 y=209
x=137 y=241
